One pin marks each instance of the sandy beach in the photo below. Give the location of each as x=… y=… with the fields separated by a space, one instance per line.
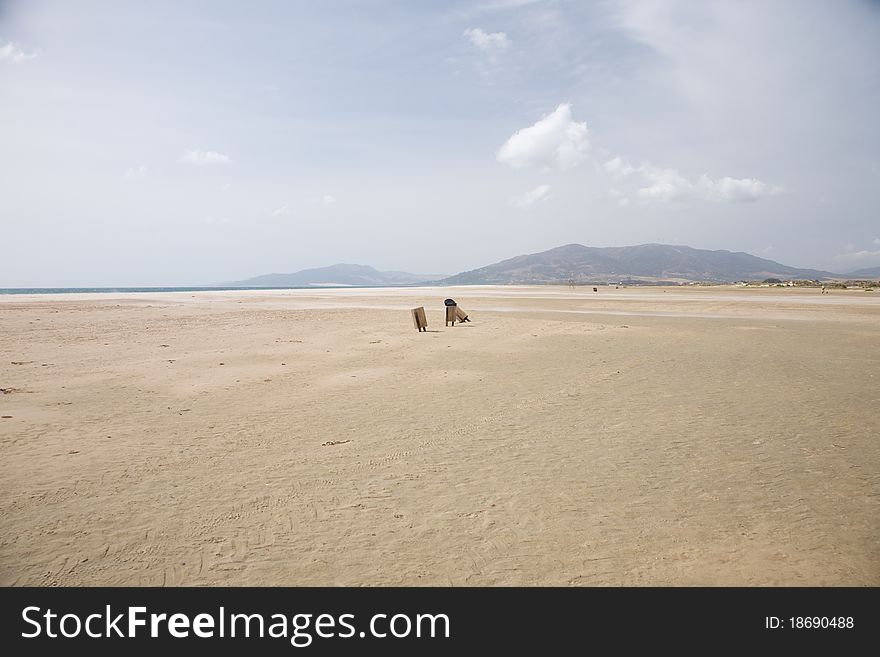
x=638 y=436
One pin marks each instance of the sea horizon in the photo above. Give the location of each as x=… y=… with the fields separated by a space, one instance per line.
x=182 y=288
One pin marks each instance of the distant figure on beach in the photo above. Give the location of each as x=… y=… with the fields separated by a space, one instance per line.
x=823 y=289
x=571 y=283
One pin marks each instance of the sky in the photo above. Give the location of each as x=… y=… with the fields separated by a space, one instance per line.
x=188 y=143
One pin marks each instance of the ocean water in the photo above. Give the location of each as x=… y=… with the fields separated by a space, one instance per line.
x=75 y=290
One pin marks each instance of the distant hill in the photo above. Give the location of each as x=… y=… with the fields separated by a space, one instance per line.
x=869 y=273
x=646 y=262
x=341 y=274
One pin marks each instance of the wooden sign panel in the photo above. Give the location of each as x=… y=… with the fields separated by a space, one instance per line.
x=419 y=318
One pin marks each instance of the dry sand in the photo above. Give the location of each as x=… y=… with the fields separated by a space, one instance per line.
x=711 y=436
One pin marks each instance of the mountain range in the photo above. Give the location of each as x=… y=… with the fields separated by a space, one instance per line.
x=644 y=263
x=869 y=273
x=341 y=274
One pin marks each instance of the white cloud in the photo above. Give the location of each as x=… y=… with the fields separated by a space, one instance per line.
x=12 y=53
x=326 y=199
x=876 y=241
x=665 y=184
x=553 y=141
x=201 y=158
x=283 y=211
x=670 y=185
x=527 y=200
x=488 y=42
x=734 y=189
x=135 y=172
x=618 y=168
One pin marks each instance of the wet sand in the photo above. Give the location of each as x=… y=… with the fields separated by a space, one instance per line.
x=633 y=436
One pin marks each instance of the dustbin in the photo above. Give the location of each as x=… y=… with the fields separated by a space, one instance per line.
x=451 y=311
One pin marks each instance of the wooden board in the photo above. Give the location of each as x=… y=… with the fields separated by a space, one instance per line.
x=419 y=318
